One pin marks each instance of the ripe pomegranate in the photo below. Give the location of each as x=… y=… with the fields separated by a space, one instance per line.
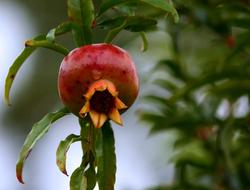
x=99 y=80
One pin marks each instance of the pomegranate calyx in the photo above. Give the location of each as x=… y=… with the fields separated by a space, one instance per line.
x=102 y=102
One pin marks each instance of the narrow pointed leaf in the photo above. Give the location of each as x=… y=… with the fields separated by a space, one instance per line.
x=59 y=30
x=133 y=23
x=62 y=151
x=164 y=5
x=130 y=23
x=87 y=135
x=106 y=162
x=160 y=4
x=51 y=35
x=74 y=11
x=156 y=99
x=39 y=129
x=144 y=46
x=173 y=67
x=77 y=180
x=65 y=27
x=90 y=174
x=166 y=84
x=15 y=67
x=113 y=33
x=87 y=18
x=109 y=4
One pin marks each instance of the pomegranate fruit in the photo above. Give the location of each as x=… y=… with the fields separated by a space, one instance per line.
x=99 y=80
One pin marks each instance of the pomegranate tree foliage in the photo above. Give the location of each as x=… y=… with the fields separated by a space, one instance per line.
x=86 y=17
x=210 y=64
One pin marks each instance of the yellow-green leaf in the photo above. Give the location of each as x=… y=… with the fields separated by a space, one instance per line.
x=74 y=11
x=62 y=151
x=144 y=46
x=16 y=66
x=39 y=129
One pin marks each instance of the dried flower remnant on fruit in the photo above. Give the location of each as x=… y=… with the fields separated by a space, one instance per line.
x=102 y=102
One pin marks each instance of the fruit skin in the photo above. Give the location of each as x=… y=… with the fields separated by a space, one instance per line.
x=88 y=64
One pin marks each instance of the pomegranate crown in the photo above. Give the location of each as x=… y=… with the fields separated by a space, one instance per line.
x=102 y=102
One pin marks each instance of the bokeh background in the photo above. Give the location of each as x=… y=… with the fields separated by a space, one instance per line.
x=140 y=161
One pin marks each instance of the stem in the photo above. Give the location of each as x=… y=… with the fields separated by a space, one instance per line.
x=47 y=44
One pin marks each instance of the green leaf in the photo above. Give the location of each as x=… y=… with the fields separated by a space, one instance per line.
x=51 y=35
x=160 y=4
x=164 y=5
x=88 y=137
x=77 y=180
x=113 y=33
x=140 y=24
x=64 y=28
x=90 y=174
x=231 y=88
x=130 y=23
x=74 y=11
x=144 y=46
x=133 y=23
x=62 y=151
x=59 y=30
x=173 y=67
x=106 y=162
x=87 y=18
x=16 y=66
x=109 y=4
x=39 y=129
x=166 y=84
x=156 y=99
x=111 y=23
